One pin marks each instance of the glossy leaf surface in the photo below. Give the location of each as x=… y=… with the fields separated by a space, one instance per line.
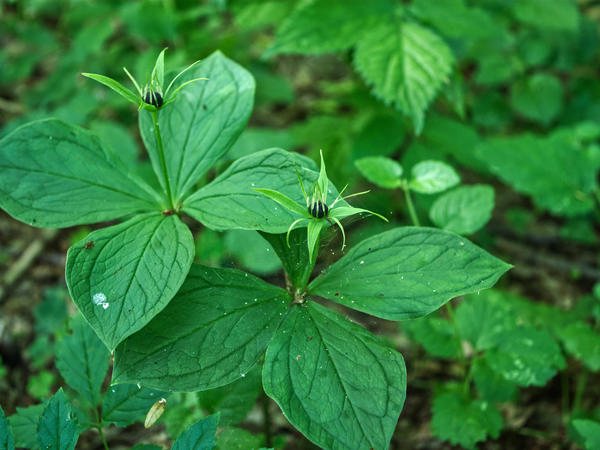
x=213 y=332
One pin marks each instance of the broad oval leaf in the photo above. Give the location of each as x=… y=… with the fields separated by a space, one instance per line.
x=406 y=64
x=58 y=427
x=229 y=201
x=382 y=171
x=213 y=331
x=82 y=360
x=463 y=210
x=538 y=97
x=56 y=175
x=202 y=123
x=120 y=277
x=408 y=272
x=431 y=177
x=125 y=404
x=334 y=381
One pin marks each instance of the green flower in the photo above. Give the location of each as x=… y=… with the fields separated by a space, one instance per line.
x=151 y=97
x=317 y=212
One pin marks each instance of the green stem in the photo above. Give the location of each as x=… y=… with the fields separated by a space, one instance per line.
x=267 y=417
x=580 y=389
x=99 y=428
x=409 y=203
x=463 y=358
x=163 y=162
x=565 y=395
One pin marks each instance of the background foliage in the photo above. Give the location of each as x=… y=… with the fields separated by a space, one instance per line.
x=504 y=92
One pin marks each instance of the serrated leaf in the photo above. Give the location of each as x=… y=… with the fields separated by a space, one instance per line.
x=24 y=425
x=6 y=438
x=432 y=177
x=322 y=26
x=590 y=431
x=201 y=124
x=120 y=277
x=527 y=357
x=485 y=321
x=234 y=401
x=492 y=386
x=316 y=355
x=463 y=421
x=436 y=335
x=200 y=436
x=212 y=333
x=82 y=360
x=229 y=202
x=406 y=64
x=463 y=210
x=56 y=175
x=548 y=14
x=554 y=170
x=538 y=97
x=382 y=171
x=125 y=404
x=408 y=272
x=580 y=340
x=58 y=428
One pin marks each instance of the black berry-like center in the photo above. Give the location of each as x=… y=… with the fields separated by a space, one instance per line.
x=318 y=209
x=153 y=99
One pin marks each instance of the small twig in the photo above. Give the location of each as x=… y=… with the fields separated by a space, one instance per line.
x=27 y=258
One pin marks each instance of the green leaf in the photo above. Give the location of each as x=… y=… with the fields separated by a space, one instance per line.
x=561 y=15
x=581 y=341
x=24 y=425
x=436 y=335
x=406 y=64
x=382 y=171
x=239 y=439
x=485 y=321
x=590 y=431
x=284 y=201
x=538 y=97
x=313 y=230
x=526 y=356
x=6 y=438
x=463 y=421
x=83 y=360
x=200 y=436
x=252 y=252
x=234 y=401
x=335 y=382
x=229 y=201
x=120 y=277
x=58 y=428
x=115 y=86
x=431 y=177
x=158 y=73
x=55 y=175
x=554 y=170
x=408 y=272
x=463 y=210
x=492 y=386
x=323 y=26
x=295 y=257
x=125 y=404
x=213 y=332
x=201 y=124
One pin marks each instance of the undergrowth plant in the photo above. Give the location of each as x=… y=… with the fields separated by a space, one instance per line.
x=178 y=326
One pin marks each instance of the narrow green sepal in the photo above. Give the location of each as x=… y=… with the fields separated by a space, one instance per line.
x=115 y=86
x=313 y=231
x=284 y=201
x=345 y=211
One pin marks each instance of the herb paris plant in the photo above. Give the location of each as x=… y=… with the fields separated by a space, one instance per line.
x=182 y=326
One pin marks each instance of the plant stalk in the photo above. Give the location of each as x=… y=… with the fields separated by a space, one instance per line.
x=409 y=204
x=463 y=358
x=163 y=162
x=267 y=419
x=99 y=428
